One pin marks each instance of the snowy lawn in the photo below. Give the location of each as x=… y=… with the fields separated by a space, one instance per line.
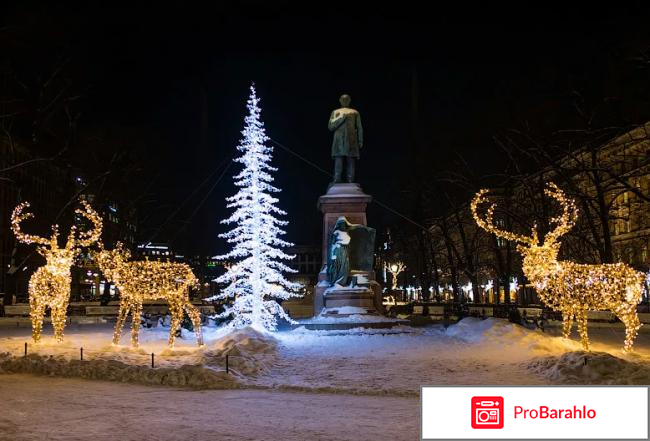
x=43 y=408
x=392 y=362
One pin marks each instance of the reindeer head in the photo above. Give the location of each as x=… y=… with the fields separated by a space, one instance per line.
x=529 y=246
x=110 y=261
x=49 y=248
x=85 y=238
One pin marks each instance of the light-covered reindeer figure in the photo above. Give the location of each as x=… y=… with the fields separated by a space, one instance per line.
x=139 y=280
x=568 y=287
x=50 y=284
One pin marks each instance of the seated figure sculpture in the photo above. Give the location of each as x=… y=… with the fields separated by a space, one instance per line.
x=350 y=249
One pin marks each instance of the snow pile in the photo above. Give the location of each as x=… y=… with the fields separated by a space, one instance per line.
x=472 y=329
x=250 y=352
x=503 y=333
x=579 y=367
x=195 y=376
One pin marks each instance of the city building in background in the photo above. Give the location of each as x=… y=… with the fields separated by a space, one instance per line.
x=42 y=183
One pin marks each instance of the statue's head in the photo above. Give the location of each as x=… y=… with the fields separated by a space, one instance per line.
x=345 y=100
x=341 y=224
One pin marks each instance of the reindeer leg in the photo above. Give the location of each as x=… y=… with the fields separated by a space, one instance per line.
x=136 y=315
x=121 y=318
x=36 y=313
x=177 y=317
x=567 y=323
x=581 y=318
x=632 y=325
x=195 y=316
x=58 y=319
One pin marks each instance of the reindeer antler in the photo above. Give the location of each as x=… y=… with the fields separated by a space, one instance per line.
x=17 y=217
x=487 y=223
x=567 y=219
x=87 y=238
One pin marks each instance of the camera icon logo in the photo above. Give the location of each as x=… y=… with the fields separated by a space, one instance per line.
x=487 y=412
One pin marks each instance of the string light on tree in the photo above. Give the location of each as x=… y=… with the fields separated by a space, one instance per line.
x=49 y=286
x=255 y=280
x=514 y=287
x=395 y=269
x=141 y=280
x=568 y=287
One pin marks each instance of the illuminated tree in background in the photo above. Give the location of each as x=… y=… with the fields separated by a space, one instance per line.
x=255 y=280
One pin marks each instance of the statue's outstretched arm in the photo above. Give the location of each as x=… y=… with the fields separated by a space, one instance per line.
x=335 y=122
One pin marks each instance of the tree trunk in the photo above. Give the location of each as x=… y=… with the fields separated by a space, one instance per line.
x=452 y=264
x=508 y=273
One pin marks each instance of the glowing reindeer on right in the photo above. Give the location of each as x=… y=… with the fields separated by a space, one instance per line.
x=568 y=287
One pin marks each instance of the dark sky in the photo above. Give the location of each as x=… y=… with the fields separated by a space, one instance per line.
x=182 y=72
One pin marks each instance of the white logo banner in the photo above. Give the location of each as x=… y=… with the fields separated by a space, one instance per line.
x=541 y=412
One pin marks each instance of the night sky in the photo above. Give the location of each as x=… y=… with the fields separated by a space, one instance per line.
x=429 y=86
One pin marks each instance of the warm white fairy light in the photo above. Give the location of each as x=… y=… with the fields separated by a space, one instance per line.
x=568 y=287
x=49 y=286
x=141 y=280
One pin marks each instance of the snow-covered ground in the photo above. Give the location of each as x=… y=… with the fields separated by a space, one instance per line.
x=393 y=362
x=355 y=384
x=45 y=408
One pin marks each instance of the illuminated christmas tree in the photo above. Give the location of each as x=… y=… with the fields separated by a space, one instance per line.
x=255 y=277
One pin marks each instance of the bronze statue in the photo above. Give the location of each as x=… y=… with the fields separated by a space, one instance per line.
x=345 y=122
x=338 y=259
x=350 y=250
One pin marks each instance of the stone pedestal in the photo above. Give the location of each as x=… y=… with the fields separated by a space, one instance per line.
x=359 y=297
x=348 y=200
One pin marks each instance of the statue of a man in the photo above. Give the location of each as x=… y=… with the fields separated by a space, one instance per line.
x=348 y=138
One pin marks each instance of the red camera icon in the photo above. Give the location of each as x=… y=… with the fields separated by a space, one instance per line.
x=487 y=412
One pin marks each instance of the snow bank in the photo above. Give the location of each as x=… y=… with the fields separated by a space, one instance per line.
x=250 y=352
x=500 y=332
x=471 y=329
x=579 y=367
x=112 y=370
